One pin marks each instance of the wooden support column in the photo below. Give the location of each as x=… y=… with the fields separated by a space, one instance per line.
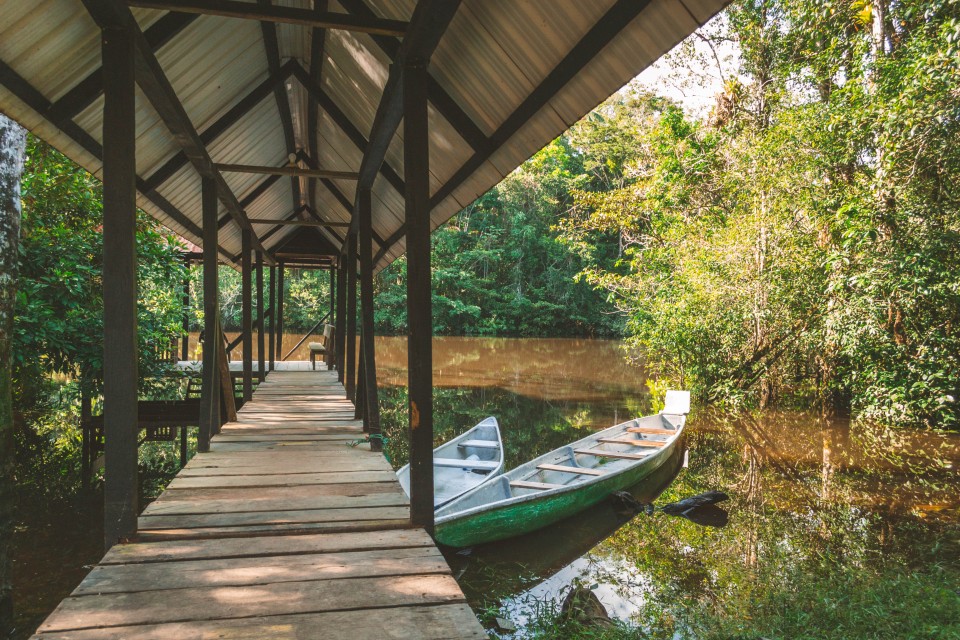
x=333 y=315
x=280 y=272
x=419 y=312
x=212 y=342
x=371 y=401
x=359 y=408
x=341 y=326
x=350 y=375
x=119 y=288
x=273 y=316
x=261 y=322
x=246 y=315
x=185 y=339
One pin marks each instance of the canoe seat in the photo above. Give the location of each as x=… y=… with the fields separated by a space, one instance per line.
x=633 y=442
x=483 y=465
x=583 y=471
x=612 y=454
x=479 y=444
x=651 y=431
x=526 y=484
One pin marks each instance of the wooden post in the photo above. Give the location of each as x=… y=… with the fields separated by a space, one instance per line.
x=185 y=345
x=359 y=407
x=246 y=316
x=370 y=400
x=280 y=271
x=212 y=342
x=86 y=444
x=341 y=326
x=333 y=315
x=350 y=376
x=261 y=322
x=416 y=160
x=333 y=293
x=272 y=316
x=119 y=288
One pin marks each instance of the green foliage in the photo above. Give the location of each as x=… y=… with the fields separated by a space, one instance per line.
x=58 y=327
x=800 y=244
x=499 y=267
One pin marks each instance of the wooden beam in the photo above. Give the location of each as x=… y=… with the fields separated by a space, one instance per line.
x=280 y=297
x=158 y=90
x=617 y=18
x=286 y=15
x=261 y=323
x=371 y=401
x=271 y=48
x=210 y=393
x=444 y=103
x=317 y=45
x=289 y=171
x=299 y=223
x=428 y=24
x=86 y=92
x=19 y=87
x=120 y=351
x=246 y=313
x=341 y=324
x=222 y=124
x=344 y=123
x=606 y=29
x=416 y=163
x=350 y=375
x=272 y=318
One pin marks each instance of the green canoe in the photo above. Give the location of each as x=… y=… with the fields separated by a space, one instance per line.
x=564 y=481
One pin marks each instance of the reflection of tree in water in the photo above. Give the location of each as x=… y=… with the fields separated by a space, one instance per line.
x=794 y=519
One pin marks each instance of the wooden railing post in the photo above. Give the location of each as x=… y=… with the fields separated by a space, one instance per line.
x=261 y=347
x=416 y=161
x=280 y=273
x=351 y=328
x=185 y=345
x=119 y=287
x=371 y=412
x=341 y=325
x=246 y=315
x=212 y=341
x=271 y=316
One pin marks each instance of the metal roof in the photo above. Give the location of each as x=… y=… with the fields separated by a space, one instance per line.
x=496 y=59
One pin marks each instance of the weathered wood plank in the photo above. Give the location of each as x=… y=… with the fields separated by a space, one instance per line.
x=280 y=480
x=314 y=502
x=235 y=572
x=435 y=622
x=218 y=603
x=278 y=494
x=266 y=546
x=325 y=525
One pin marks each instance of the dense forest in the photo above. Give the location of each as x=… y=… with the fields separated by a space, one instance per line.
x=797 y=245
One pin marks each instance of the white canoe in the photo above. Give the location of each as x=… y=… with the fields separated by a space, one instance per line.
x=565 y=481
x=464 y=463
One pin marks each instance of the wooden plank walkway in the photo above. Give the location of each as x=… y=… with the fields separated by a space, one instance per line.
x=280 y=531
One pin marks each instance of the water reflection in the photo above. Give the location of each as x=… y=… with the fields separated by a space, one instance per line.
x=817 y=507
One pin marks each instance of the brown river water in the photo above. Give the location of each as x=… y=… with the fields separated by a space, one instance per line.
x=803 y=492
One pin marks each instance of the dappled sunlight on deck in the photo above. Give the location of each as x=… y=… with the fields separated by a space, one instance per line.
x=278 y=531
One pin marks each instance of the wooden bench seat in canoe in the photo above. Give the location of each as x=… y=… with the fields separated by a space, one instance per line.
x=583 y=471
x=480 y=465
x=633 y=442
x=541 y=486
x=479 y=444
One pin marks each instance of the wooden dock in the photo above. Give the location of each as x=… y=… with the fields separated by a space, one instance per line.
x=282 y=530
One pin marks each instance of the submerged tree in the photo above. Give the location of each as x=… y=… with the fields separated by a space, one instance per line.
x=12 y=148
x=800 y=243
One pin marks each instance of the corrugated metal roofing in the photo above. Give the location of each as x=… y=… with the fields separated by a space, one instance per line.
x=494 y=54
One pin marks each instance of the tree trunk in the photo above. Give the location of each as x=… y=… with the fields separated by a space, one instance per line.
x=13 y=140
